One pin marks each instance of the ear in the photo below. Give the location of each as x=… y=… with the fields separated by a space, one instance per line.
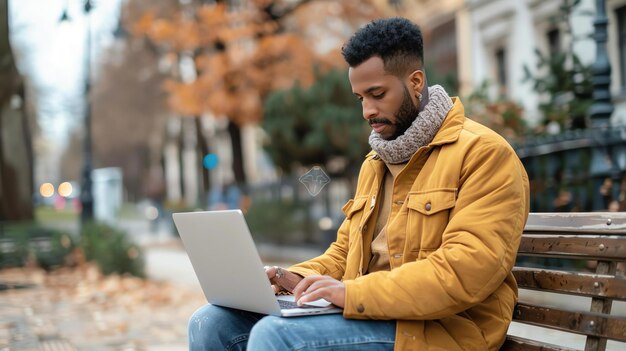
x=417 y=80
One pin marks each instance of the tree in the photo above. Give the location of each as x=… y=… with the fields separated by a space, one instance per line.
x=502 y=115
x=240 y=53
x=562 y=78
x=128 y=124
x=16 y=155
x=312 y=126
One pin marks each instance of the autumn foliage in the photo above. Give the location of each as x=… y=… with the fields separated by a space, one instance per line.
x=225 y=59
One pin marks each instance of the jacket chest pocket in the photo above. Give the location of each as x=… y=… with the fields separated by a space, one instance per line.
x=429 y=212
x=355 y=212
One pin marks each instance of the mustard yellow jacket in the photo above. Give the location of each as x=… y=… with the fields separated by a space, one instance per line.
x=459 y=208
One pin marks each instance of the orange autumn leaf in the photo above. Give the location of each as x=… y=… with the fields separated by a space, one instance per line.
x=183 y=98
x=162 y=31
x=143 y=25
x=242 y=53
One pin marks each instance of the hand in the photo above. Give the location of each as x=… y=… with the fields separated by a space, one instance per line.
x=317 y=287
x=288 y=281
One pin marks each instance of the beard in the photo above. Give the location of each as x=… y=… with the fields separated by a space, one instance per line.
x=406 y=114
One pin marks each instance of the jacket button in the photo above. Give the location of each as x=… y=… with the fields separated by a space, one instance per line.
x=360 y=308
x=428 y=206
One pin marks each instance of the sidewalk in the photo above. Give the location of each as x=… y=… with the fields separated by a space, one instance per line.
x=166 y=259
x=81 y=310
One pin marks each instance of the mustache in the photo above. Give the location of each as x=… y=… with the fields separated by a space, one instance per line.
x=380 y=120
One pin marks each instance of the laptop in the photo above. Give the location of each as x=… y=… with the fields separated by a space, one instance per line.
x=228 y=266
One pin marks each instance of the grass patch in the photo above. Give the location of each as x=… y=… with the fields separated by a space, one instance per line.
x=50 y=214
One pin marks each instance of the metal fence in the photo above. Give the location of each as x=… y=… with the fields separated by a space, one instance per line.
x=577 y=171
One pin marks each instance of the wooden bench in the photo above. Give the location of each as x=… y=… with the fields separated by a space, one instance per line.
x=596 y=240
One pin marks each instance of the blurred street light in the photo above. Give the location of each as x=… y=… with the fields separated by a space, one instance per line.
x=86 y=191
x=46 y=190
x=65 y=189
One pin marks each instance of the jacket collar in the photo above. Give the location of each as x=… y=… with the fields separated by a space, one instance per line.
x=448 y=132
x=453 y=124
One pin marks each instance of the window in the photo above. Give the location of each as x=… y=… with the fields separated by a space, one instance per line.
x=554 y=41
x=621 y=37
x=501 y=71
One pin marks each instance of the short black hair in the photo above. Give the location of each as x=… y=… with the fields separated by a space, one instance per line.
x=397 y=41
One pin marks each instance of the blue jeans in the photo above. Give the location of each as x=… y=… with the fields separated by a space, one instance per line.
x=219 y=328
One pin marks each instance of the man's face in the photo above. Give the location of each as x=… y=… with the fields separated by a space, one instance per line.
x=386 y=100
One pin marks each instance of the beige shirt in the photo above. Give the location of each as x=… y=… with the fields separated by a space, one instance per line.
x=380 y=252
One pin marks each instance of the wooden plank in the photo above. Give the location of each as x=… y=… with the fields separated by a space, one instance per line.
x=591 y=222
x=569 y=233
x=601 y=305
x=587 y=247
x=585 y=236
x=514 y=343
x=585 y=323
x=583 y=284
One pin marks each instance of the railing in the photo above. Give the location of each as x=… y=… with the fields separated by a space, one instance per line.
x=577 y=171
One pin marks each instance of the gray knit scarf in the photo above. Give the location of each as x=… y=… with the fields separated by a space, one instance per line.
x=420 y=133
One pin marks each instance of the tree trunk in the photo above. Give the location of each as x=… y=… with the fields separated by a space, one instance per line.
x=16 y=168
x=204 y=150
x=189 y=160
x=238 y=169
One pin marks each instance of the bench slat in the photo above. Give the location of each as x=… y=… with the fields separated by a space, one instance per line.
x=589 y=248
x=596 y=222
x=583 y=284
x=585 y=323
x=594 y=236
x=515 y=343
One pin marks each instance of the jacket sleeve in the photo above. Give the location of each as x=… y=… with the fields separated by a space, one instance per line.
x=477 y=252
x=332 y=262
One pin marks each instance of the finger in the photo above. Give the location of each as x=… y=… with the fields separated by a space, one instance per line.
x=276 y=289
x=289 y=280
x=321 y=293
x=318 y=285
x=271 y=275
x=327 y=285
x=304 y=284
x=274 y=281
x=270 y=271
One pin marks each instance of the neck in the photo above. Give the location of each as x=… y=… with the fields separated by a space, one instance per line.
x=420 y=133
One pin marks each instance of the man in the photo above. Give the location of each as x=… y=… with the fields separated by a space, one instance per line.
x=423 y=259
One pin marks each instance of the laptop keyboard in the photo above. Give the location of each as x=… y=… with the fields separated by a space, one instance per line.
x=291 y=304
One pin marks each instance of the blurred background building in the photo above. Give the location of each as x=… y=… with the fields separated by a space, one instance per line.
x=499 y=40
